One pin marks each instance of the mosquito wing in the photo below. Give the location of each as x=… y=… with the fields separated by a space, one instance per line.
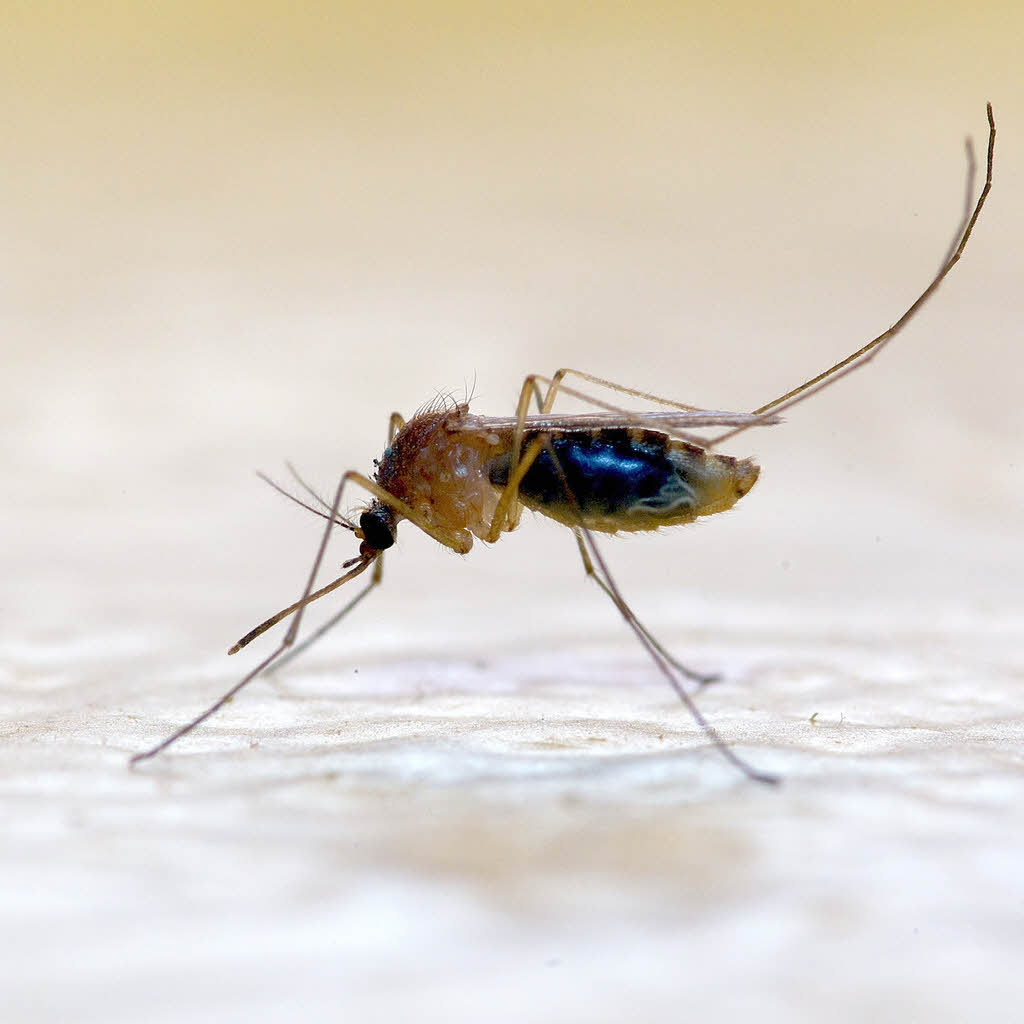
x=671 y=422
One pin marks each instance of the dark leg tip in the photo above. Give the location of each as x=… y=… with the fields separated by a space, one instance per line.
x=706 y=680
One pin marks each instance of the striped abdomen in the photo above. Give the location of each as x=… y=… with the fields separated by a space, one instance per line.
x=613 y=479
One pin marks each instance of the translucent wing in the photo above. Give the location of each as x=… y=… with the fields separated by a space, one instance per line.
x=670 y=422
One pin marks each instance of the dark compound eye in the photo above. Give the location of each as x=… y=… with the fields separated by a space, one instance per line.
x=378 y=526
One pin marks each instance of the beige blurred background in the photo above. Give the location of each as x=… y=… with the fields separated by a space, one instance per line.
x=240 y=234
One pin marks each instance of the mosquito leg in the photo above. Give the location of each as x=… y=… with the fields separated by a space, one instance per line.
x=702 y=679
x=378 y=572
x=867 y=352
x=506 y=512
x=506 y=515
x=532 y=389
x=664 y=664
x=555 y=385
x=599 y=569
x=395 y=423
x=827 y=377
x=459 y=541
x=520 y=465
x=972 y=174
x=289 y=637
x=453 y=540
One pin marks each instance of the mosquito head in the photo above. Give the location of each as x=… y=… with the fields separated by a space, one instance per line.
x=378 y=526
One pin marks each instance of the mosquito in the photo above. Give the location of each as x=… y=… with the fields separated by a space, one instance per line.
x=458 y=477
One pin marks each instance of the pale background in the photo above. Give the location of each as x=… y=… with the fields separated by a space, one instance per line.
x=237 y=234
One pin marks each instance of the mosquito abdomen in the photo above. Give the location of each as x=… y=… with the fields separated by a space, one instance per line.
x=613 y=479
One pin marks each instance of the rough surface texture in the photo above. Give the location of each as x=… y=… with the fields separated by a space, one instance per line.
x=229 y=244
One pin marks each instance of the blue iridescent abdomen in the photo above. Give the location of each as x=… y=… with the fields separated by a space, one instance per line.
x=607 y=474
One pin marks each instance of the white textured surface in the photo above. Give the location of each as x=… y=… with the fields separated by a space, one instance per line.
x=478 y=801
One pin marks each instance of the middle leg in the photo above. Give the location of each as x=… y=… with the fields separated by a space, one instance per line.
x=665 y=664
x=555 y=385
x=701 y=678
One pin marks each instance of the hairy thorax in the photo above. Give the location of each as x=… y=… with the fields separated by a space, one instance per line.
x=439 y=469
